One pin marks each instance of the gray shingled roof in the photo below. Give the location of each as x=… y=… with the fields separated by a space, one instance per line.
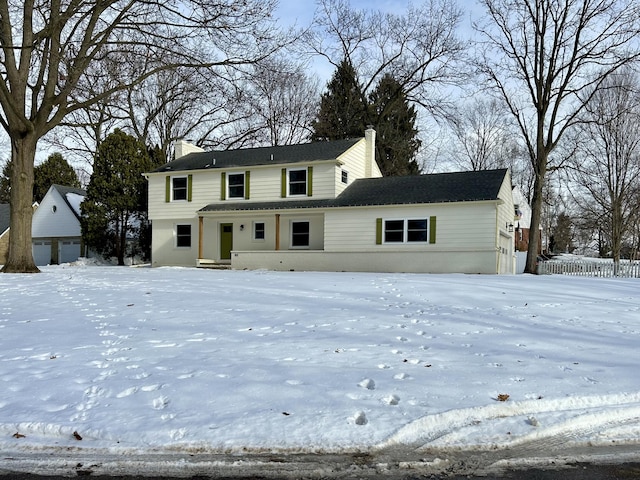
x=406 y=190
x=248 y=157
x=4 y=217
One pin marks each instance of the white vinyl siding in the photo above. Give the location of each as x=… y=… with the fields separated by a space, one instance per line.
x=459 y=226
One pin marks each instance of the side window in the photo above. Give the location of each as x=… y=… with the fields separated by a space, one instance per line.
x=236 y=185
x=183 y=236
x=300 y=234
x=258 y=230
x=345 y=176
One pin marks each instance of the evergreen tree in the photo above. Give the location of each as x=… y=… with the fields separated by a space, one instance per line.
x=343 y=109
x=157 y=158
x=396 y=135
x=54 y=169
x=113 y=207
x=345 y=112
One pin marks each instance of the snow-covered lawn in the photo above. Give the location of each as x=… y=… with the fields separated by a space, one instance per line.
x=145 y=359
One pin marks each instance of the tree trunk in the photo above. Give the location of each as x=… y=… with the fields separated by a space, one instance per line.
x=540 y=168
x=20 y=257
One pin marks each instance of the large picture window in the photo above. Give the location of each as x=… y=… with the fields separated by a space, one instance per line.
x=406 y=231
x=183 y=236
x=300 y=234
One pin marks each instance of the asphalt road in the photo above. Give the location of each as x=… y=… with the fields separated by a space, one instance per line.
x=546 y=462
x=573 y=472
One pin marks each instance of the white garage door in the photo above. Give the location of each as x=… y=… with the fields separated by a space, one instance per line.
x=42 y=252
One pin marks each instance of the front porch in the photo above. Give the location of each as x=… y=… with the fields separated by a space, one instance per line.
x=259 y=232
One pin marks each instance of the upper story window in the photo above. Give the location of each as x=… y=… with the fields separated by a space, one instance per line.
x=236 y=185
x=345 y=176
x=179 y=188
x=297 y=182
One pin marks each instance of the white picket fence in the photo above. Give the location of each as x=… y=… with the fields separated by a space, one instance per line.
x=590 y=268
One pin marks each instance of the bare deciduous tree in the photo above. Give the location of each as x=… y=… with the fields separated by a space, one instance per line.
x=419 y=48
x=482 y=135
x=541 y=57
x=607 y=161
x=48 y=49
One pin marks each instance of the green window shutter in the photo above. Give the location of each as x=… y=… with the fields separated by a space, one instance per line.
x=283 y=183
x=167 y=190
x=432 y=229
x=189 y=187
x=378 y=231
x=223 y=186
x=309 y=181
x=247 y=182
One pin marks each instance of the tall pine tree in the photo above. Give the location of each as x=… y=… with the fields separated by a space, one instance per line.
x=343 y=110
x=113 y=208
x=397 y=141
x=55 y=169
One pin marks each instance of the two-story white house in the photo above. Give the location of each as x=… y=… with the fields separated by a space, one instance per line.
x=325 y=206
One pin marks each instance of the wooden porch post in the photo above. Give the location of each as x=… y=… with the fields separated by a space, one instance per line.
x=277 y=231
x=200 y=235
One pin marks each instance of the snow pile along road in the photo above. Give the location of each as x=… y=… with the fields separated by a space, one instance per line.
x=138 y=360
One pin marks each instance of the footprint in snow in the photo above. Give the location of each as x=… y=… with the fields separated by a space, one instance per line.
x=391 y=399
x=368 y=383
x=360 y=418
x=160 y=402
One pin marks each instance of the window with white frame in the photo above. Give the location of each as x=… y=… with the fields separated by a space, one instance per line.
x=300 y=234
x=236 y=185
x=183 y=236
x=258 y=230
x=406 y=230
x=297 y=182
x=345 y=176
x=179 y=188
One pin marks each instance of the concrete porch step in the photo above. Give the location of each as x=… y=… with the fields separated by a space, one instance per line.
x=206 y=263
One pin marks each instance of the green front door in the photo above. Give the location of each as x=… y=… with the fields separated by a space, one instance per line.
x=226 y=240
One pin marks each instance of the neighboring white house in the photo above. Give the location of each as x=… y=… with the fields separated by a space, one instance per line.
x=55 y=228
x=4 y=232
x=325 y=206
